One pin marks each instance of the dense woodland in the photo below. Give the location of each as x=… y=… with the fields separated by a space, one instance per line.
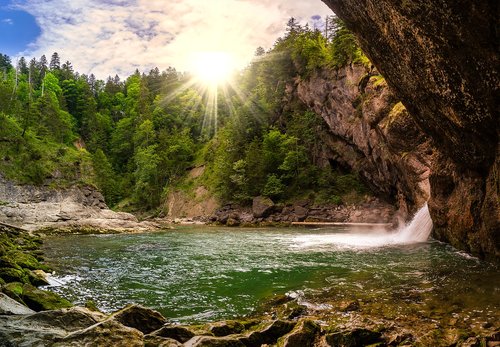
x=136 y=138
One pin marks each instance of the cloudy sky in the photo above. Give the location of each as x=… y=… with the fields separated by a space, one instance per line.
x=117 y=36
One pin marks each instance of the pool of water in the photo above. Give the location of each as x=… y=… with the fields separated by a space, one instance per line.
x=196 y=274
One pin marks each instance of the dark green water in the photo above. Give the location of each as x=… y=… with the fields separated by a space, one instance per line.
x=198 y=274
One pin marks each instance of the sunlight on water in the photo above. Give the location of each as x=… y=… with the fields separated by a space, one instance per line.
x=418 y=230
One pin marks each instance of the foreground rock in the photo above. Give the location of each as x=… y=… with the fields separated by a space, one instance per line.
x=76 y=209
x=78 y=326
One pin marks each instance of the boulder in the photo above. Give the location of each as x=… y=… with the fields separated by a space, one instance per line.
x=11 y=306
x=269 y=335
x=262 y=207
x=109 y=333
x=178 y=333
x=68 y=319
x=41 y=300
x=227 y=328
x=303 y=335
x=140 y=318
x=300 y=212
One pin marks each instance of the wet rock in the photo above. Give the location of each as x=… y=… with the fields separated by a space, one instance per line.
x=227 y=328
x=11 y=306
x=178 y=333
x=37 y=277
x=262 y=207
x=209 y=341
x=109 y=333
x=269 y=335
x=354 y=338
x=140 y=318
x=40 y=300
x=303 y=335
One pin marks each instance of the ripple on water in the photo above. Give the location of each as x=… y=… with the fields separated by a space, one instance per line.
x=203 y=274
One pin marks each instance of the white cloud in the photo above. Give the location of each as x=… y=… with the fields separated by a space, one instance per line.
x=8 y=21
x=117 y=36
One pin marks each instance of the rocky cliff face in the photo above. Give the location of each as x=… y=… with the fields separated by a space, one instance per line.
x=441 y=59
x=370 y=132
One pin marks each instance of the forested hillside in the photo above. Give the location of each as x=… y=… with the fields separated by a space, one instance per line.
x=135 y=138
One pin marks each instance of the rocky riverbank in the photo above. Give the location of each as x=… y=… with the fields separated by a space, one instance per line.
x=75 y=209
x=265 y=212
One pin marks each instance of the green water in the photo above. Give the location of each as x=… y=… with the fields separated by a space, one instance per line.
x=197 y=274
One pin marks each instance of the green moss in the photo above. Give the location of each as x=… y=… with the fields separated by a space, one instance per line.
x=13 y=275
x=396 y=110
x=41 y=300
x=26 y=261
x=7 y=262
x=378 y=80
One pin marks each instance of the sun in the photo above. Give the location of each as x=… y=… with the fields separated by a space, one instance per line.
x=212 y=67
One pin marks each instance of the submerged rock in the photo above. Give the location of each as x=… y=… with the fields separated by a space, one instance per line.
x=140 y=318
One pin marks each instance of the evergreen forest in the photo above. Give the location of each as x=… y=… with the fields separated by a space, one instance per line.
x=136 y=138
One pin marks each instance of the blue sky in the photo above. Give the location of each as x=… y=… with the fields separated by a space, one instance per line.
x=105 y=37
x=17 y=29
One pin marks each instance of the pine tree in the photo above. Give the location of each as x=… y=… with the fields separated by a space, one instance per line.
x=55 y=62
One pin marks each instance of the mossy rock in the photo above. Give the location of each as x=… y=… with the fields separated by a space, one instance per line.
x=14 y=290
x=41 y=300
x=7 y=262
x=13 y=275
x=26 y=260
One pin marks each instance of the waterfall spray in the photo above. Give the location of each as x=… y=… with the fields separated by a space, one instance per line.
x=418 y=230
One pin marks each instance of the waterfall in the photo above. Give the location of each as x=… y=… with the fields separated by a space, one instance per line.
x=418 y=230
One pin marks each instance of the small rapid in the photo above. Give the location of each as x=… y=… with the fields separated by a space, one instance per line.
x=417 y=230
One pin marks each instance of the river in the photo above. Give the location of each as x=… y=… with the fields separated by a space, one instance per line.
x=197 y=274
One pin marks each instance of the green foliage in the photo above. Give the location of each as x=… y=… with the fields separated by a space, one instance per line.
x=105 y=177
x=135 y=139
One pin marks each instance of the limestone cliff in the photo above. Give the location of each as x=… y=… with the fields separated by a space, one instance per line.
x=441 y=59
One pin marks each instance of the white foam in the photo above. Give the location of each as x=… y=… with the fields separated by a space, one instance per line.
x=418 y=230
